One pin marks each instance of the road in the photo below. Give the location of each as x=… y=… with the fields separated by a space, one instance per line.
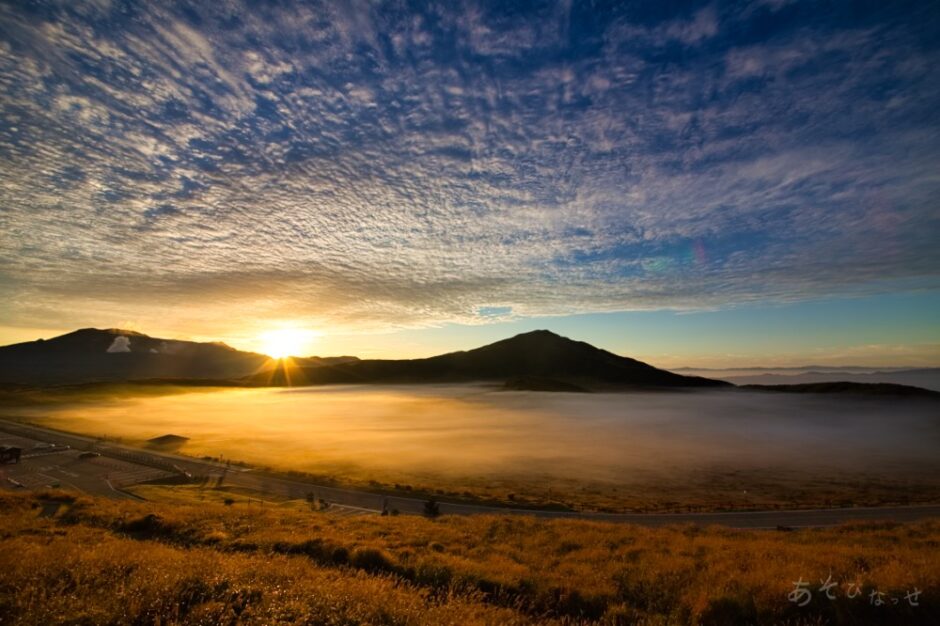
x=65 y=467
x=275 y=484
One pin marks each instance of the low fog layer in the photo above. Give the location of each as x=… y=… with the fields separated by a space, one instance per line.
x=477 y=432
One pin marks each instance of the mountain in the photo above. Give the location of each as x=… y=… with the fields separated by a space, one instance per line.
x=844 y=387
x=91 y=354
x=829 y=369
x=928 y=378
x=536 y=361
x=539 y=358
x=537 y=355
x=95 y=355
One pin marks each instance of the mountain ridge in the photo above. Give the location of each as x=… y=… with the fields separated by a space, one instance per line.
x=116 y=355
x=539 y=360
x=539 y=354
x=89 y=355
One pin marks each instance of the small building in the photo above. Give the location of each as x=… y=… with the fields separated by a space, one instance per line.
x=10 y=454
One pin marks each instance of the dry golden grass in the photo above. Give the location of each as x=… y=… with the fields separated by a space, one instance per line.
x=100 y=561
x=706 y=489
x=198 y=494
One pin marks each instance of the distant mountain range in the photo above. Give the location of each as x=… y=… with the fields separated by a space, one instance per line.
x=845 y=387
x=926 y=377
x=536 y=361
x=862 y=369
x=540 y=359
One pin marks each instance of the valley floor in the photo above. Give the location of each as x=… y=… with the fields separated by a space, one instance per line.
x=54 y=459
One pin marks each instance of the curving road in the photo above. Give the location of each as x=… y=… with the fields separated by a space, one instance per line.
x=276 y=484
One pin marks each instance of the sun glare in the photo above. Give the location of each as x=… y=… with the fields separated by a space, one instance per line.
x=285 y=342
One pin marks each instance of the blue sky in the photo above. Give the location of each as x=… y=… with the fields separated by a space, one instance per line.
x=404 y=177
x=878 y=331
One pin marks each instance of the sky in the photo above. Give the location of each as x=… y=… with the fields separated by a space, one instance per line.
x=703 y=184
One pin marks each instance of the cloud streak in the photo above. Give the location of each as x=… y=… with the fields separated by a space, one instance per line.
x=369 y=164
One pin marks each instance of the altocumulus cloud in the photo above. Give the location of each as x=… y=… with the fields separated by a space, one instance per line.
x=374 y=163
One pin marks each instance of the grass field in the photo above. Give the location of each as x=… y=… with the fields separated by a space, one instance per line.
x=98 y=561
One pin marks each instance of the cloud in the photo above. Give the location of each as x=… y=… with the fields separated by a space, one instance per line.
x=704 y=24
x=371 y=166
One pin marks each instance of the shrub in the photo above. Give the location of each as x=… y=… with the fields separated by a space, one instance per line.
x=149 y=525
x=432 y=508
x=340 y=556
x=372 y=560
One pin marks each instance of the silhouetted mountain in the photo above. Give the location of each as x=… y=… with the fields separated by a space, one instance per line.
x=843 y=387
x=539 y=354
x=927 y=378
x=797 y=369
x=91 y=354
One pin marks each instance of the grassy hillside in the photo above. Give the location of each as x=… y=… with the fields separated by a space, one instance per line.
x=98 y=561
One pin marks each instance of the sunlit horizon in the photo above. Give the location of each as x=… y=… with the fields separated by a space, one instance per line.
x=902 y=331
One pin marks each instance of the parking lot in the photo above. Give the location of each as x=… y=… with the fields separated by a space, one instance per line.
x=43 y=466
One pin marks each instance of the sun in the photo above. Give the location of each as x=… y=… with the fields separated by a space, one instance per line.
x=285 y=342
